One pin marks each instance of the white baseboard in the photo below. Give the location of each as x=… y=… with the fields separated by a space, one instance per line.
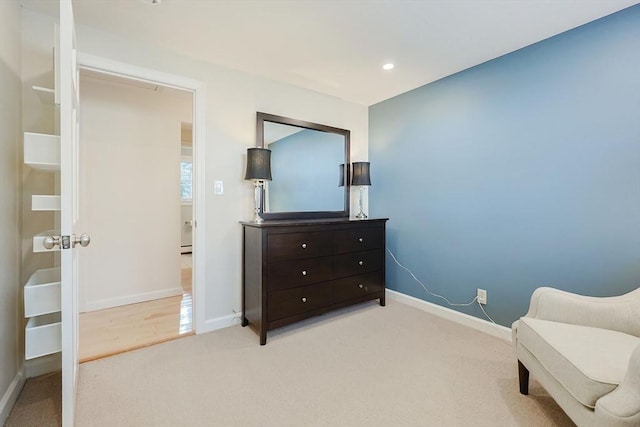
x=455 y=316
x=221 y=322
x=131 y=299
x=43 y=365
x=11 y=395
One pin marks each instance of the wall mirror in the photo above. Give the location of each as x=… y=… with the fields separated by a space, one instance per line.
x=307 y=167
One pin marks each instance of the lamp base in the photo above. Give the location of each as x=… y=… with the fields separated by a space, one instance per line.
x=258 y=202
x=361 y=215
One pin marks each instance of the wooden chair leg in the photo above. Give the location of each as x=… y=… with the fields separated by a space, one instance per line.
x=523 y=376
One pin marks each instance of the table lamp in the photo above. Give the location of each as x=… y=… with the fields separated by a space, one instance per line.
x=360 y=177
x=259 y=170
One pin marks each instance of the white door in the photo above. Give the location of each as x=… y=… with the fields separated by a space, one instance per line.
x=69 y=98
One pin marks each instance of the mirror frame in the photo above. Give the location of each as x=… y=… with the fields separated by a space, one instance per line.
x=272 y=118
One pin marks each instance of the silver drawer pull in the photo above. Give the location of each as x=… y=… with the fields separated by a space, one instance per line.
x=304 y=272
x=360 y=262
x=361 y=286
x=304 y=299
x=304 y=246
x=360 y=239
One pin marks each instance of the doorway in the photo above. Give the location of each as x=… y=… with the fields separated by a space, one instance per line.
x=136 y=283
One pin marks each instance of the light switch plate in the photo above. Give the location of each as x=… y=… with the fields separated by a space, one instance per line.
x=218 y=187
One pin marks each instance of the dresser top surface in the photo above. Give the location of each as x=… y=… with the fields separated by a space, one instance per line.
x=320 y=221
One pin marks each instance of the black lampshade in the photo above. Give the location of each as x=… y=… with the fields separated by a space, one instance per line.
x=361 y=174
x=258 y=163
x=342 y=170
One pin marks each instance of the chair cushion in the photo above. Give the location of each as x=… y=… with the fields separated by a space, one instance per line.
x=588 y=362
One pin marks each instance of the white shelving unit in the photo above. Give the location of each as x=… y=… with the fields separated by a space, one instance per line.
x=45 y=203
x=46 y=95
x=43 y=335
x=42 y=151
x=42 y=292
x=42 y=307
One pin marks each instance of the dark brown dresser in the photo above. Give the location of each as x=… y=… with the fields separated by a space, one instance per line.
x=293 y=270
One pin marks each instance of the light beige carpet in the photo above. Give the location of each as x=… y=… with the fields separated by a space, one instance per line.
x=39 y=403
x=364 y=366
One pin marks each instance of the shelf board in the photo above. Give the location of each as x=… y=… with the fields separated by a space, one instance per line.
x=45 y=203
x=43 y=335
x=42 y=292
x=42 y=151
x=46 y=95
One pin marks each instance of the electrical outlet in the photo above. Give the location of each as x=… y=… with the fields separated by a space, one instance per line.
x=482 y=296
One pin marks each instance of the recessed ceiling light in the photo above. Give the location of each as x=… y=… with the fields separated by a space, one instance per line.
x=153 y=2
x=388 y=66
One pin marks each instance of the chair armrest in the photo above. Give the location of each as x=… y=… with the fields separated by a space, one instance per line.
x=621 y=407
x=619 y=313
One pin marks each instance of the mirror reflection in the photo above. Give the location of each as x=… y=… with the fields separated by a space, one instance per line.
x=306 y=159
x=305 y=167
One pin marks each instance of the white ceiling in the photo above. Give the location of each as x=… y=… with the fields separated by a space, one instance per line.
x=338 y=47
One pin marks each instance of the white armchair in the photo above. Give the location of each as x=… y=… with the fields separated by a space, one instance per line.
x=585 y=351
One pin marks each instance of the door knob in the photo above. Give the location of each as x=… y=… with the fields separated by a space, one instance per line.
x=83 y=240
x=50 y=242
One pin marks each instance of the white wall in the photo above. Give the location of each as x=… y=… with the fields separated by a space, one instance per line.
x=232 y=101
x=130 y=186
x=10 y=141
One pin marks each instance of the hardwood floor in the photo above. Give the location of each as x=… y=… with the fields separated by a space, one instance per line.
x=115 y=330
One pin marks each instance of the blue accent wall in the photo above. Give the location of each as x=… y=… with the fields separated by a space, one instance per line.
x=520 y=172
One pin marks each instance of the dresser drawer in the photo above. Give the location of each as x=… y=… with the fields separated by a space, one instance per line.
x=291 y=302
x=356 y=286
x=300 y=272
x=358 y=239
x=357 y=263
x=281 y=247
